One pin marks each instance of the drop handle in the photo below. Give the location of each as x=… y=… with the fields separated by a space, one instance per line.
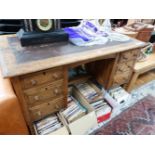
x=55 y=76
x=57 y=106
x=39 y=113
x=33 y=82
x=56 y=91
x=36 y=98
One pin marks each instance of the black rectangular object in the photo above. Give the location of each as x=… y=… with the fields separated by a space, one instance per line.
x=34 y=38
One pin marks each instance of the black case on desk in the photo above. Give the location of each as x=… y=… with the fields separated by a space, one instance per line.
x=34 y=38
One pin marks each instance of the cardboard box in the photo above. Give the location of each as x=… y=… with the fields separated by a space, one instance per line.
x=117 y=106
x=105 y=116
x=99 y=92
x=85 y=123
x=61 y=131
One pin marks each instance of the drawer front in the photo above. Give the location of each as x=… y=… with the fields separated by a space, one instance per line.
x=43 y=110
x=122 y=77
x=38 y=78
x=129 y=55
x=126 y=66
x=37 y=95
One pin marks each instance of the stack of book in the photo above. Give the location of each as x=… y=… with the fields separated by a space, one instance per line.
x=88 y=91
x=48 y=125
x=74 y=110
x=102 y=109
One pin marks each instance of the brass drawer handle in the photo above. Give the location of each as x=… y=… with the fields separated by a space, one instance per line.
x=57 y=107
x=33 y=82
x=36 y=98
x=39 y=113
x=56 y=91
x=55 y=75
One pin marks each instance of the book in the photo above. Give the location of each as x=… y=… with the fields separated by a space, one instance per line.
x=50 y=130
x=101 y=108
x=119 y=95
x=88 y=91
x=45 y=121
x=105 y=110
x=48 y=124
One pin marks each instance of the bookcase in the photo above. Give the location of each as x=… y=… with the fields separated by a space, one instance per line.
x=40 y=75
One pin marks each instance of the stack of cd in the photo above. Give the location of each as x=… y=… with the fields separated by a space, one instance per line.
x=88 y=92
x=119 y=95
x=48 y=125
x=74 y=110
x=101 y=108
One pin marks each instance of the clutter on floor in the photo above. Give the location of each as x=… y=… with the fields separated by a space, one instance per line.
x=136 y=95
x=74 y=110
x=95 y=98
x=50 y=125
x=139 y=119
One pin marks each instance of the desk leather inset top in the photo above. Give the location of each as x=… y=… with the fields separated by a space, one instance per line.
x=16 y=60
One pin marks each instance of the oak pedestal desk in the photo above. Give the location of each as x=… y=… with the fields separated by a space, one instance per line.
x=39 y=74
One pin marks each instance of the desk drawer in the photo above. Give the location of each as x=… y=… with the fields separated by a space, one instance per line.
x=41 y=93
x=129 y=55
x=126 y=66
x=122 y=77
x=46 y=108
x=35 y=79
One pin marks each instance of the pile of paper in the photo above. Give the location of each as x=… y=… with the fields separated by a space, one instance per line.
x=48 y=125
x=74 y=110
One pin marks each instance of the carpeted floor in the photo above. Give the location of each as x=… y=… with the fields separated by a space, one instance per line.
x=143 y=91
x=136 y=120
x=136 y=95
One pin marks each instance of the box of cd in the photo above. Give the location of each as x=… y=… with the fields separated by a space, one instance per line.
x=85 y=121
x=50 y=126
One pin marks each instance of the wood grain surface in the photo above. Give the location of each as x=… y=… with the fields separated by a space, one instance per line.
x=16 y=60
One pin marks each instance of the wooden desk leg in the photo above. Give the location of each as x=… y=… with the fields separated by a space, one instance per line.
x=132 y=81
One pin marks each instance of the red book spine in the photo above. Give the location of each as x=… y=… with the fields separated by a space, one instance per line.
x=104 y=117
